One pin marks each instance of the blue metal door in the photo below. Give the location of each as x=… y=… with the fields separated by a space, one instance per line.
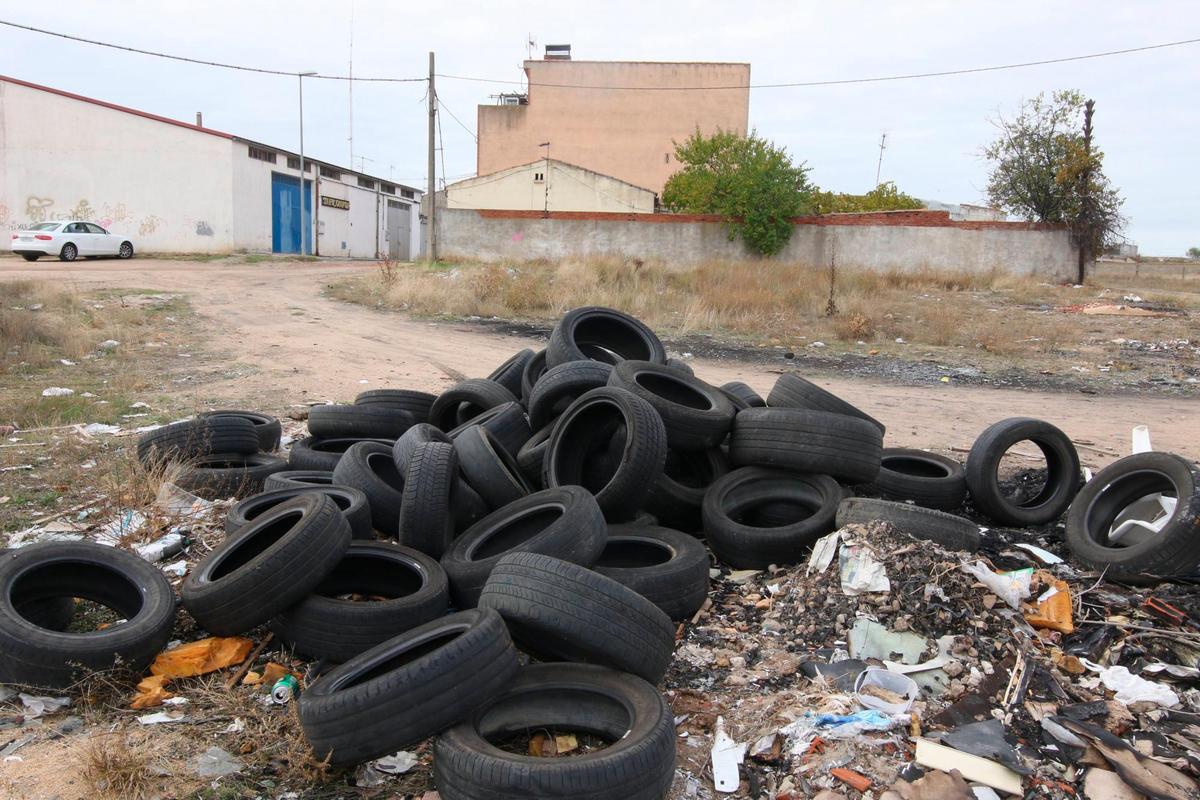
x=286 y=225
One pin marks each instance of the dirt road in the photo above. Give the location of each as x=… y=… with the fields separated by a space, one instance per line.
x=300 y=345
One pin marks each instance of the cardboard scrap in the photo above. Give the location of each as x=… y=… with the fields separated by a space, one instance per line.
x=980 y=770
x=188 y=660
x=1053 y=605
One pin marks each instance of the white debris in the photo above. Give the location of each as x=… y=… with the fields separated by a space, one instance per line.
x=1011 y=587
x=726 y=756
x=96 y=428
x=160 y=718
x=861 y=572
x=57 y=391
x=108 y=345
x=37 y=706
x=397 y=763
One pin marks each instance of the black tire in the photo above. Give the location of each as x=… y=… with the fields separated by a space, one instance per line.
x=53 y=613
x=405 y=589
x=269 y=428
x=679 y=492
x=426 y=523
x=267 y=566
x=602 y=334
x=696 y=416
x=559 y=611
x=532 y=455
x=323 y=455
x=31 y=256
x=927 y=479
x=291 y=478
x=948 y=530
x=414 y=402
x=466 y=506
x=668 y=568
x=69 y=252
x=644 y=449
x=561 y=386
x=509 y=373
x=680 y=365
x=369 y=467
x=370 y=421
x=466 y=400
x=807 y=441
x=221 y=475
x=742 y=395
x=183 y=441
x=738 y=538
x=351 y=502
x=565 y=523
x=125 y=251
x=535 y=368
x=1140 y=555
x=45 y=573
x=639 y=764
x=506 y=423
x=792 y=391
x=1063 y=477
x=489 y=468
x=414 y=437
x=408 y=688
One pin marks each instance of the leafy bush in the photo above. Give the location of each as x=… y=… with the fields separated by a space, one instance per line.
x=884 y=197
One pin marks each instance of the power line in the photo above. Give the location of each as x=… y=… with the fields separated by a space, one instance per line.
x=841 y=81
x=453 y=116
x=201 y=61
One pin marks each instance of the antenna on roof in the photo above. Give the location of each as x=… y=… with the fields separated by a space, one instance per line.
x=530 y=46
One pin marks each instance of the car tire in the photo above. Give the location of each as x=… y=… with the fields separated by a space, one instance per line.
x=371 y=421
x=220 y=475
x=31 y=256
x=532 y=455
x=414 y=437
x=535 y=368
x=559 y=611
x=368 y=467
x=322 y=455
x=294 y=478
x=510 y=372
x=489 y=468
x=848 y=448
x=792 y=391
x=927 y=479
x=414 y=402
x=643 y=452
x=267 y=566
x=560 y=386
x=949 y=531
x=740 y=540
x=125 y=251
x=410 y=687
x=1141 y=555
x=268 y=428
x=696 y=416
x=351 y=502
x=190 y=439
x=602 y=334
x=506 y=423
x=1063 y=476
x=466 y=400
x=667 y=567
x=627 y=711
x=678 y=494
x=565 y=523
x=134 y=589
x=742 y=395
x=426 y=523
x=402 y=589
x=69 y=252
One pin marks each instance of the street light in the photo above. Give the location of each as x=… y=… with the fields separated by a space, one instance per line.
x=546 y=182
x=303 y=228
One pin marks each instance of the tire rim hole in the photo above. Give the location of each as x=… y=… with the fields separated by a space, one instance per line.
x=516 y=532
x=104 y=598
x=1025 y=476
x=255 y=545
x=594 y=718
x=633 y=553
x=610 y=341
x=1136 y=502
x=409 y=655
x=673 y=390
x=915 y=467
x=383 y=466
x=365 y=577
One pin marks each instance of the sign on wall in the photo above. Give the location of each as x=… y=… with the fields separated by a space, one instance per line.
x=335 y=202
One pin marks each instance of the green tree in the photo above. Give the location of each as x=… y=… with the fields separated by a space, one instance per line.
x=1193 y=252
x=745 y=178
x=884 y=197
x=1043 y=169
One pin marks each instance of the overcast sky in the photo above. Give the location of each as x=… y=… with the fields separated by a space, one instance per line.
x=1147 y=114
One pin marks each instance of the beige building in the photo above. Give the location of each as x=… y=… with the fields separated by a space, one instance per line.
x=619 y=118
x=549 y=185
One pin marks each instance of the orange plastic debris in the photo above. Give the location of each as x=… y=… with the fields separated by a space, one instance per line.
x=187 y=660
x=854 y=780
x=273 y=672
x=1054 y=611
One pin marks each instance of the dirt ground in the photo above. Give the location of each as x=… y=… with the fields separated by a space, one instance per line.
x=282 y=341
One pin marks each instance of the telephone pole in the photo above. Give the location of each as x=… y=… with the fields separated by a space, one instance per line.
x=431 y=185
x=882 y=147
x=1085 y=191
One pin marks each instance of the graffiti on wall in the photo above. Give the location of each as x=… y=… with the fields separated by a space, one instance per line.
x=37 y=208
x=203 y=229
x=149 y=225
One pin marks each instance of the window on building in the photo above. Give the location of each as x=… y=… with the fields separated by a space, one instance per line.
x=262 y=154
x=330 y=172
x=294 y=163
x=387 y=188
x=538 y=177
x=407 y=193
x=366 y=183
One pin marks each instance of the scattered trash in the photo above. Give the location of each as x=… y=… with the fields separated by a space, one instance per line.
x=108 y=345
x=886 y=691
x=186 y=661
x=162 y=547
x=727 y=755
x=215 y=763
x=283 y=690
x=1011 y=587
x=37 y=706
x=160 y=718
x=861 y=572
x=57 y=391
x=1130 y=688
x=126 y=524
x=98 y=428
x=397 y=763
x=972 y=768
x=181 y=503
x=1053 y=606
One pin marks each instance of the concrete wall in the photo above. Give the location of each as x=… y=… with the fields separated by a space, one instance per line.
x=910 y=240
x=622 y=132
x=167 y=187
x=553 y=184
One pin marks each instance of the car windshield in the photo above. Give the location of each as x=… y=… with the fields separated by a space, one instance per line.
x=44 y=226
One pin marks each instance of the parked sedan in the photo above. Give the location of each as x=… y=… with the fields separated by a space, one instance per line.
x=69 y=240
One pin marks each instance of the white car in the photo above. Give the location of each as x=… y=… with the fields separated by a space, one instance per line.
x=69 y=240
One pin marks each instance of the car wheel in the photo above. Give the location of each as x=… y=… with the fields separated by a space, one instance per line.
x=126 y=250
x=31 y=256
x=69 y=252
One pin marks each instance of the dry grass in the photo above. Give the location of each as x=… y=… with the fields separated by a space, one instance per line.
x=765 y=302
x=117 y=769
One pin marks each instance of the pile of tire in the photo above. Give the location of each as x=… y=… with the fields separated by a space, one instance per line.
x=564 y=506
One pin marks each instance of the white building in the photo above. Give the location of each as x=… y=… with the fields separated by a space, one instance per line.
x=549 y=185
x=175 y=187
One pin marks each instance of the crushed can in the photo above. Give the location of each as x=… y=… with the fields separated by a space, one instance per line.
x=283 y=690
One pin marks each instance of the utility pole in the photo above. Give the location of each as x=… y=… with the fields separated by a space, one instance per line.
x=303 y=227
x=1086 y=222
x=546 y=182
x=431 y=186
x=882 y=147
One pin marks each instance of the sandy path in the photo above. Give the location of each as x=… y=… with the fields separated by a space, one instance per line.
x=272 y=317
